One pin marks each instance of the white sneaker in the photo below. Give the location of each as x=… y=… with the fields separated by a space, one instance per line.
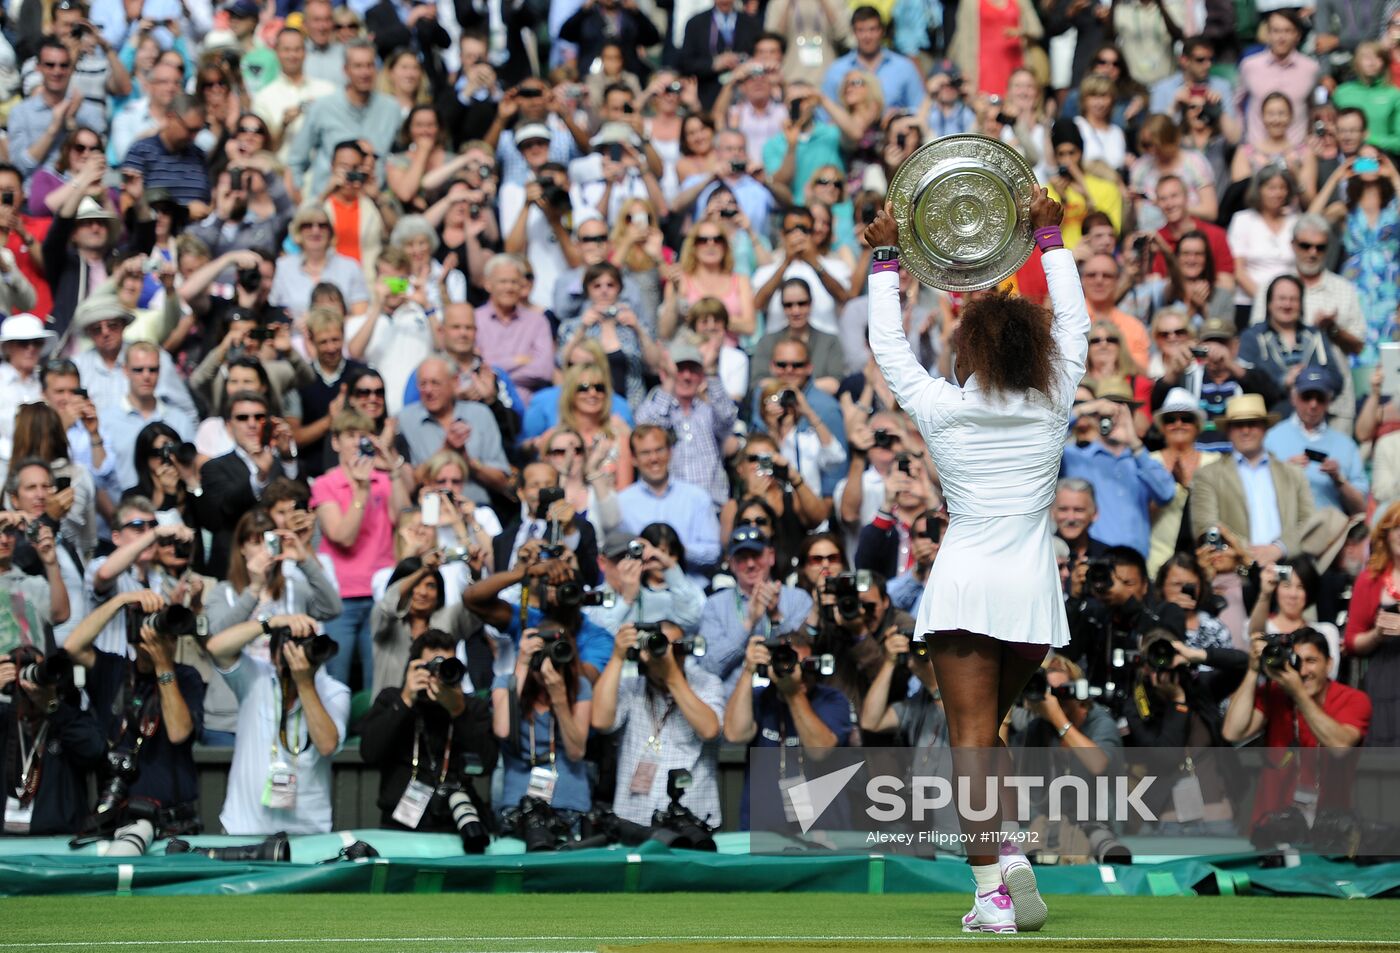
x=1019 y=878
x=991 y=913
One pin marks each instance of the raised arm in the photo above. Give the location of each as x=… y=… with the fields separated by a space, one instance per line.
x=915 y=389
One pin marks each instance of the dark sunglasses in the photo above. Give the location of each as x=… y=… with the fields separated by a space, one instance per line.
x=1101 y=61
x=592 y=388
x=83 y=149
x=561 y=451
x=1103 y=340
x=244 y=418
x=1311 y=246
x=595 y=239
x=1182 y=418
x=1174 y=333
x=368 y=392
x=789 y=366
x=804 y=229
x=1314 y=397
x=823 y=181
x=755 y=521
x=253 y=130
x=212 y=83
x=796 y=304
x=138 y=524
x=709 y=240
x=827 y=559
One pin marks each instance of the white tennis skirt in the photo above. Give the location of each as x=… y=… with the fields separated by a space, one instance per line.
x=996 y=576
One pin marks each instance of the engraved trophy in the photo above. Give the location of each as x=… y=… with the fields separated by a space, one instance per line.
x=963 y=208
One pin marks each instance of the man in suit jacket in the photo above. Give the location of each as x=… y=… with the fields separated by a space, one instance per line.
x=714 y=43
x=231 y=485
x=1257 y=496
x=611 y=21
x=417 y=29
x=577 y=532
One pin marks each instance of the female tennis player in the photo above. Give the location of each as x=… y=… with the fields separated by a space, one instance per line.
x=992 y=609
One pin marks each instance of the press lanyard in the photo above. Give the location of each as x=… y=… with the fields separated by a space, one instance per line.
x=551 y=744
x=150 y=719
x=29 y=764
x=782 y=753
x=657 y=724
x=446 y=752
x=282 y=729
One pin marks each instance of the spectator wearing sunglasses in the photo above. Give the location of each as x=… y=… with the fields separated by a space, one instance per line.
x=829 y=278
x=233 y=484
x=926 y=537
x=140 y=406
x=36 y=122
x=129 y=567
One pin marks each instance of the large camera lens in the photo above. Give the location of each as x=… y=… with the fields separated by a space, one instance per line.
x=447 y=669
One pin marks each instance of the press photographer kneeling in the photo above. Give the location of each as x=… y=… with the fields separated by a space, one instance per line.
x=429 y=740
x=1175 y=726
x=1298 y=707
x=49 y=743
x=291 y=720
x=667 y=716
x=150 y=709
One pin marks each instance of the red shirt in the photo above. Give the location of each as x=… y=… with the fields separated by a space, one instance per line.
x=1286 y=728
x=1215 y=237
x=38 y=228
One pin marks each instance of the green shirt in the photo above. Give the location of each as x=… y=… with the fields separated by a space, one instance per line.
x=1380 y=101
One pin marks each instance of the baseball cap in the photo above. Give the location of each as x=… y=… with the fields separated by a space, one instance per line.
x=1314 y=378
x=1217 y=329
x=747 y=539
x=532 y=130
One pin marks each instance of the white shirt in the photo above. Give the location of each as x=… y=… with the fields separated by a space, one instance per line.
x=397 y=346
x=1266 y=253
x=1265 y=524
x=14 y=391
x=259 y=694
x=273 y=100
x=1107 y=145
x=541 y=246
x=872 y=498
x=823 y=304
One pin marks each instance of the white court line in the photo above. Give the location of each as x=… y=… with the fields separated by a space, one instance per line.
x=972 y=937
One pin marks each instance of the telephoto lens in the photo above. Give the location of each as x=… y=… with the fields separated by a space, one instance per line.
x=447 y=669
x=273 y=848
x=131 y=840
x=560 y=651
x=467 y=820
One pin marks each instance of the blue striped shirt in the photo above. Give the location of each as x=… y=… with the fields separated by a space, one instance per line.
x=182 y=173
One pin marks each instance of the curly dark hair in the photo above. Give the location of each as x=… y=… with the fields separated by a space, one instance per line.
x=1006 y=342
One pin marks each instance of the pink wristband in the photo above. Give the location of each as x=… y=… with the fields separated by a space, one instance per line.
x=878 y=266
x=1048 y=237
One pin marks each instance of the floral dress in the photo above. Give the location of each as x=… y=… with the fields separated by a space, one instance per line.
x=1373 y=266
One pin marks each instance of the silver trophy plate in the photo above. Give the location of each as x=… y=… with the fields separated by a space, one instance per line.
x=963 y=208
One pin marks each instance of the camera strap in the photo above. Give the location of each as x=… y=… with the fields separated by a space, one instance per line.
x=142 y=708
x=657 y=724
x=418 y=734
x=542 y=779
x=31 y=763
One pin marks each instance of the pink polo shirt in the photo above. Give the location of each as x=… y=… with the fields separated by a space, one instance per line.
x=374 y=546
x=1263 y=73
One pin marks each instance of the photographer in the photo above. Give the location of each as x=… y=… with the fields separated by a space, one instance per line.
x=853 y=620
x=137 y=537
x=644 y=572
x=421 y=737
x=414 y=604
x=43 y=569
x=541 y=714
x=654 y=741
x=793 y=710
x=1104 y=613
x=545 y=512
x=291 y=721
x=55 y=744
x=151 y=711
x=906 y=590
x=549 y=588
x=1299 y=707
x=917 y=720
x=1178 y=711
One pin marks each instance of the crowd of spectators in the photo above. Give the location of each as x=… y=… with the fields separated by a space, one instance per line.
x=532 y=335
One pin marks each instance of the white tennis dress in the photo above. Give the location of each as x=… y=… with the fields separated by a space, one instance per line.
x=998 y=460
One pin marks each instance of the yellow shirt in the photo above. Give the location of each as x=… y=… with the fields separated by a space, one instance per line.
x=1106 y=199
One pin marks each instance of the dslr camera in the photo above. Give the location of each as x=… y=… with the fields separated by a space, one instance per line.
x=783 y=661
x=182 y=453
x=847 y=588
x=1278 y=652
x=574 y=595
x=559 y=650
x=764 y=466
x=54 y=670
x=173 y=621
x=653 y=641
x=447 y=669
x=319 y=648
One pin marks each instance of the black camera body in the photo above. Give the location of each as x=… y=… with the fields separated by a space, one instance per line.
x=173 y=621
x=319 y=648
x=250 y=280
x=549 y=495
x=1278 y=652
x=847 y=588
x=557 y=648
x=650 y=639
x=54 y=670
x=557 y=198
x=573 y=595
x=183 y=453
x=884 y=440
x=447 y=669
x=1099 y=577
x=122 y=770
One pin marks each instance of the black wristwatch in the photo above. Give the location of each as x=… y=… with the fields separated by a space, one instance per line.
x=887 y=253
x=263 y=621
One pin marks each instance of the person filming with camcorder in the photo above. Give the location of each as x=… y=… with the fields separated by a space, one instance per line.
x=49 y=743
x=430 y=740
x=666 y=716
x=151 y=711
x=291 y=721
